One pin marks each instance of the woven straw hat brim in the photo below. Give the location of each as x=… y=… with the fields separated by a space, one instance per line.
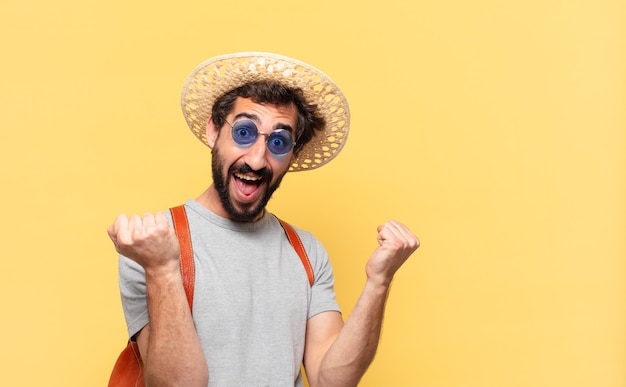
x=217 y=75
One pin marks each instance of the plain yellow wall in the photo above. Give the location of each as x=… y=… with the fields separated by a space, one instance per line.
x=495 y=129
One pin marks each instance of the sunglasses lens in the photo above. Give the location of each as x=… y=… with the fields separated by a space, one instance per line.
x=280 y=142
x=244 y=132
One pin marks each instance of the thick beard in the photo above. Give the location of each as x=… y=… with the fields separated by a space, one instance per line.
x=249 y=212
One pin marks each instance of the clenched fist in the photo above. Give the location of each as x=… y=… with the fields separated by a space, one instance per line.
x=148 y=240
x=396 y=244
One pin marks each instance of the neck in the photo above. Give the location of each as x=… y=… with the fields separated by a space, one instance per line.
x=211 y=200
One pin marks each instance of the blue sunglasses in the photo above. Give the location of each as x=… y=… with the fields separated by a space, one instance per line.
x=245 y=133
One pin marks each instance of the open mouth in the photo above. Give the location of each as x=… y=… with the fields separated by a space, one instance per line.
x=247 y=185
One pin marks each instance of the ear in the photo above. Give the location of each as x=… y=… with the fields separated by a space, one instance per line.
x=211 y=132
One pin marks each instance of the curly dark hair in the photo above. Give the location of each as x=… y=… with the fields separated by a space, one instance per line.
x=271 y=92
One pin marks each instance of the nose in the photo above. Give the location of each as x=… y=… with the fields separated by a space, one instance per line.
x=256 y=156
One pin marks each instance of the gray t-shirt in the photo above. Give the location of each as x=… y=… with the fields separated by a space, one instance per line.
x=252 y=297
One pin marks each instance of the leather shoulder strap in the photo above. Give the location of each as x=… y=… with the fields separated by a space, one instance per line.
x=295 y=241
x=187 y=267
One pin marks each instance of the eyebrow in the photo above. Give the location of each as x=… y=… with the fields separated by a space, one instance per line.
x=256 y=119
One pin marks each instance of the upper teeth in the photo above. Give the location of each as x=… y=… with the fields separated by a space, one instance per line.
x=246 y=177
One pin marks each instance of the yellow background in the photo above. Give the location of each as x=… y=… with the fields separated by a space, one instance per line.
x=495 y=129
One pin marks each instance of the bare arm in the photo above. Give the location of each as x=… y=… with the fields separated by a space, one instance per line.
x=338 y=354
x=169 y=344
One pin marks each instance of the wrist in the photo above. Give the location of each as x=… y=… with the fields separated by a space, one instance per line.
x=166 y=272
x=378 y=278
x=377 y=285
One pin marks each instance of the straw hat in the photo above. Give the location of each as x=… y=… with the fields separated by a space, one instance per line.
x=216 y=76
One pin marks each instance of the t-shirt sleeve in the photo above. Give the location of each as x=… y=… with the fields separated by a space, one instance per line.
x=322 y=291
x=132 y=281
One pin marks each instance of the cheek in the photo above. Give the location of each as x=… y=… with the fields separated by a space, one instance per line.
x=280 y=165
x=227 y=153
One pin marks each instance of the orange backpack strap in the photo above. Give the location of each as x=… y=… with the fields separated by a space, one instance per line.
x=187 y=267
x=295 y=241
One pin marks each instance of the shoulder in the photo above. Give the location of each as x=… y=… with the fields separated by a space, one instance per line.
x=315 y=250
x=308 y=239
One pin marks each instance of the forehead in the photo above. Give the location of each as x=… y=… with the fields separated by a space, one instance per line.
x=266 y=113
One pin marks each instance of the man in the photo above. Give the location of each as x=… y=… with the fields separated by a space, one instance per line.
x=255 y=317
